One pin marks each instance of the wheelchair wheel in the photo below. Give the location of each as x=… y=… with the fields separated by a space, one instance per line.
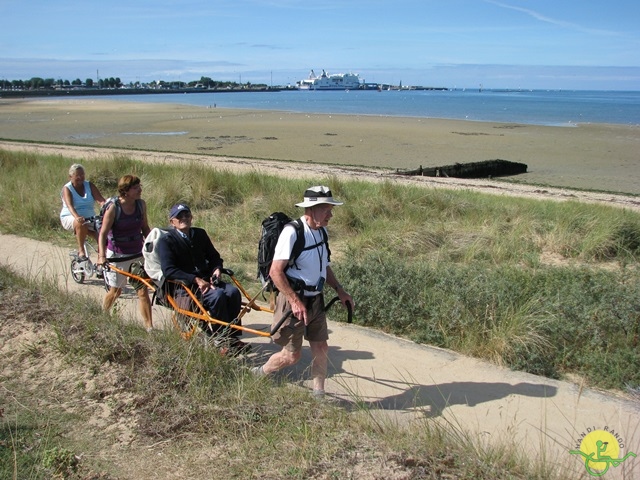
x=184 y=324
x=77 y=271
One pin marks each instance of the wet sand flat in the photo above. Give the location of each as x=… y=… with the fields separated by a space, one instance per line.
x=588 y=156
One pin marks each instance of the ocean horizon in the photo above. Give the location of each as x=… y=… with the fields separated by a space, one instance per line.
x=535 y=107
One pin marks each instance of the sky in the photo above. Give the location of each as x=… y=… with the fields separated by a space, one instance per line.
x=549 y=44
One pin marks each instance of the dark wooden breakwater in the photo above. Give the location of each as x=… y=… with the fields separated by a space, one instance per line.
x=483 y=169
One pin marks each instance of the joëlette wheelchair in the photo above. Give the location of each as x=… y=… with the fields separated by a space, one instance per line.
x=189 y=315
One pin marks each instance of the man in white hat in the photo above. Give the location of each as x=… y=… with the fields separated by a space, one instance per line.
x=301 y=285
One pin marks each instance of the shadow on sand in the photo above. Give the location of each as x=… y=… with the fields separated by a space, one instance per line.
x=440 y=396
x=410 y=396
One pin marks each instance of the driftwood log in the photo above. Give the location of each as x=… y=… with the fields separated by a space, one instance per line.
x=483 y=169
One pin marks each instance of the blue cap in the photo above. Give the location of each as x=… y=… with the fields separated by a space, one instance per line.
x=177 y=209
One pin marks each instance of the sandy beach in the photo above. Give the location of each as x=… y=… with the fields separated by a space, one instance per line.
x=588 y=156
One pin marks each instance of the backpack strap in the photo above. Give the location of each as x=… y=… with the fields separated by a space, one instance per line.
x=118 y=207
x=116 y=203
x=299 y=245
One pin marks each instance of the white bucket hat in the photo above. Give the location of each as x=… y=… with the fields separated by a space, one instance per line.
x=317 y=195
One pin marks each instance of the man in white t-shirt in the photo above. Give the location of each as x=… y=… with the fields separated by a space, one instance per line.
x=300 y=289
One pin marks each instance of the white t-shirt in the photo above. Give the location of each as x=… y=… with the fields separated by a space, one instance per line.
x=312 y=264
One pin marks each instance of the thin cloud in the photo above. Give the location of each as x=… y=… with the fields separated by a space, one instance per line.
x=268 y=47
x=553 y=21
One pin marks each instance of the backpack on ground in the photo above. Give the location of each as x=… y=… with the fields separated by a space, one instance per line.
x=271 y=228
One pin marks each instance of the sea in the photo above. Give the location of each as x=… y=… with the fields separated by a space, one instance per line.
x=535 y=107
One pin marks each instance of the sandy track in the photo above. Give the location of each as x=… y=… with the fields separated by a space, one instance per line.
x=405 y=382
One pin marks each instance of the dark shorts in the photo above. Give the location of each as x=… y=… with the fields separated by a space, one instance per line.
x=292 y=331
x=137 y=268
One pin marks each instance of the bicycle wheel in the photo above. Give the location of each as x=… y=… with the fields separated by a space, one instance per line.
x=77 y=271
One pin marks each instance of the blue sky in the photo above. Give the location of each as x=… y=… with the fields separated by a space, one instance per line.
x=557 y=44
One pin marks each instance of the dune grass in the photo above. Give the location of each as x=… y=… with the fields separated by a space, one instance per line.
x=551 y=288
x=194 y=414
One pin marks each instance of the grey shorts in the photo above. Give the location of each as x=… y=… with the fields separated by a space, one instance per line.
x=292 y=331
x=117 y=280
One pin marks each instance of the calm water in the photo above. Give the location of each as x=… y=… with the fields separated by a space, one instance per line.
x=557 y=108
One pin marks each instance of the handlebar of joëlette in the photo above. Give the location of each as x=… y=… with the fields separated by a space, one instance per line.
x=122 y=259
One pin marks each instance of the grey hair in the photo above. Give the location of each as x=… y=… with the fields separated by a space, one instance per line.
x=74 y=168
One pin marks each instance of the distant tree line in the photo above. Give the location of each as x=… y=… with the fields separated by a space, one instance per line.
x=37 y=83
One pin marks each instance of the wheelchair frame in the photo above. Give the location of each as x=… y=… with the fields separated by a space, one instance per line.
x=187 y=321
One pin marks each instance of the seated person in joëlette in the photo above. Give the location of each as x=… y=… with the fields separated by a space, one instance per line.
x=188 y=256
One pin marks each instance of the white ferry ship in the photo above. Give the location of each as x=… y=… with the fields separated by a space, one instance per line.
x=337 y=81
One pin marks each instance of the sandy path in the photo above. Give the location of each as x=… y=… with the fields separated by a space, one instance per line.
x=404 y=381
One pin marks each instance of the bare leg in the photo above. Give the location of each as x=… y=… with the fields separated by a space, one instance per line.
x=81 y=235
x=283 y=358
x=110 y=298
x=319 y=351
x=144 y=303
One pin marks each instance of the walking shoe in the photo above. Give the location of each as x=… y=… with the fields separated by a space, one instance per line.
x=257 y=371
x=83 y=263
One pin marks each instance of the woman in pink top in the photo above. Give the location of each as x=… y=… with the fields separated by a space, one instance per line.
x=124 y=228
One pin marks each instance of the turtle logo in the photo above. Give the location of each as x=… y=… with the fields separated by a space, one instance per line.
x=600 y=450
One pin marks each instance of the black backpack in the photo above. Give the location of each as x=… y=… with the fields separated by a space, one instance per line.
x=97 y=223
x=271 y=228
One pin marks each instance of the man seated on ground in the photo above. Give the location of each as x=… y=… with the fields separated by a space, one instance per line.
x=188 y=256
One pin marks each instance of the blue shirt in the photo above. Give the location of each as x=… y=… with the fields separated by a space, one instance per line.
x=84 y=205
